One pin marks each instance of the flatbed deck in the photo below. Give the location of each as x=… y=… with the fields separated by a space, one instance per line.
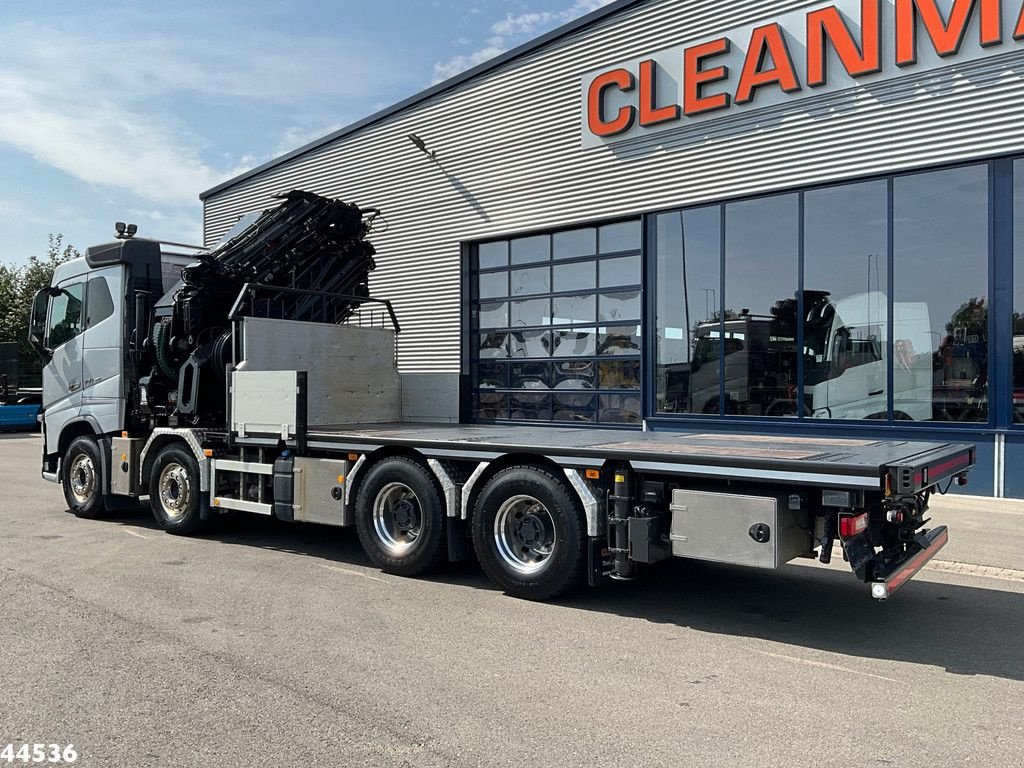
x=822 y=461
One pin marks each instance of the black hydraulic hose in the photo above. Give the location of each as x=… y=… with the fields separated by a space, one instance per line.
x=159 y=332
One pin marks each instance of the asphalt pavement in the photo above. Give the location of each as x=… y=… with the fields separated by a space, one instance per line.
x=267 y=644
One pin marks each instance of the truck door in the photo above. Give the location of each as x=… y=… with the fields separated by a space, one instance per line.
x=62 y=377
x=102 y=349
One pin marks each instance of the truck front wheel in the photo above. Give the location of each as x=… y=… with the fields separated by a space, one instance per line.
x=400 y=517
x=82 y=479
x=174 y=492
x=529 y=534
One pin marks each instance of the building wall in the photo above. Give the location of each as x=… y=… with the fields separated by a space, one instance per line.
x=511 y=156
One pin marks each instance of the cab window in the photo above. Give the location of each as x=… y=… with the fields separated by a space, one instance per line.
x=99 y=305
x=65 y=316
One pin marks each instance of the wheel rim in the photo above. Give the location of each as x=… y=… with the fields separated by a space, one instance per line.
x=397 y=518
x=175 y=491
x=524 y=532
x=83 y=478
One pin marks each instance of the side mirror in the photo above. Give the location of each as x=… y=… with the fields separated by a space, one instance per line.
x=37 y=324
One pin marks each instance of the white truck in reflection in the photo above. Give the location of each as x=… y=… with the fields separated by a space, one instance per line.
x=845 y=372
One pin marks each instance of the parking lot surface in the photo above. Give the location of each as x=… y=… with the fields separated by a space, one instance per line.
x=264 y=643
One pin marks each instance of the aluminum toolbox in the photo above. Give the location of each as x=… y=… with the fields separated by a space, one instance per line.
x=757 y=531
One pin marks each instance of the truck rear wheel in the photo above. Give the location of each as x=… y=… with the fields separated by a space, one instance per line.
x=174 y=492
x=400 y=516
x=529 y=534
x=82 y=478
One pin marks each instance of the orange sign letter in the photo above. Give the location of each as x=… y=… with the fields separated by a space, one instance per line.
x=946 y=36
x=828 y=23
x=695 y=78
x=764 y=42
x=623 y=121
x=650 y=113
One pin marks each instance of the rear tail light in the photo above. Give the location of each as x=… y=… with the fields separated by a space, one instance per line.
x=851 y=525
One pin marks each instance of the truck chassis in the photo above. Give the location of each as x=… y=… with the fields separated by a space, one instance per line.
x=547 y=509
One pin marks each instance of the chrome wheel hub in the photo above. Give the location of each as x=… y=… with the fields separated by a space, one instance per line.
x=175 y=491
x=397 y=518
x=524 y=533
x=83 y=478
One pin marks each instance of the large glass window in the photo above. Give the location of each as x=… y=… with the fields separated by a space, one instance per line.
x=688 y=279
x=556 y=327
x=762 y=245
x=846 y=306
x=882 y=329
x=940 y=291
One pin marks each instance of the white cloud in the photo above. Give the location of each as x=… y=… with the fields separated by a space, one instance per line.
x=99 y=141
x=93 y=103
x=512 y=30
x=296 y=136
x=453 y=66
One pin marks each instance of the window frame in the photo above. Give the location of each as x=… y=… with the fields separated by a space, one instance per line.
x=473 y=331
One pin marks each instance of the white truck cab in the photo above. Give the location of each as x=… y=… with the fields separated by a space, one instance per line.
x=83 y=327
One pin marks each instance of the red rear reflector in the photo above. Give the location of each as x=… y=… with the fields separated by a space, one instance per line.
x=851 y=525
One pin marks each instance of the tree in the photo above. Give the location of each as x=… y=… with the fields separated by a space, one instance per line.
x=18 y=286
x=1018 y=324
x=969 y=320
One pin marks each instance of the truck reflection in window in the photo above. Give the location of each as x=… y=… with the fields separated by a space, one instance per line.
x=759 y=374
x=845 y=348
x=844 y=357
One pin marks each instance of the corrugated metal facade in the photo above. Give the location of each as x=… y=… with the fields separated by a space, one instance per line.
x=510 y=157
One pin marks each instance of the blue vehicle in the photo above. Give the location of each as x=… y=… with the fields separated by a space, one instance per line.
x=21 y=415
x=19 y=411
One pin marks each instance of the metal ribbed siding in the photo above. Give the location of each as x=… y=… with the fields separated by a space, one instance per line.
x=510 y=157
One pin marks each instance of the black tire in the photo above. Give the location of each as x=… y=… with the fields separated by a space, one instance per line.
x=529 y=534
x=174 y=493
x=400 y=517
x=82 y=478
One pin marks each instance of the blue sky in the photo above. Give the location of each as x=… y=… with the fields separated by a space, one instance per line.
x=127 y=110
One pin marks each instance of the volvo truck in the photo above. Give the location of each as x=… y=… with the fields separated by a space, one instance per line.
x=264 y=380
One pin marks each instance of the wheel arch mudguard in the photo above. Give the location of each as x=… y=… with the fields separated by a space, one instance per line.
x=81 y=426
x=165 y=436
x=577 y=486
